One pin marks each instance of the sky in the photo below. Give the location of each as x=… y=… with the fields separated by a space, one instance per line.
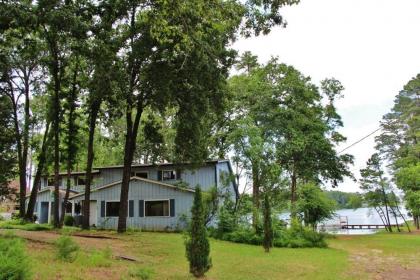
x=371 y=46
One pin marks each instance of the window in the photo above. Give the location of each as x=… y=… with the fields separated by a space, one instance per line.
x=50 y=182
x=80 y=181
x=68 y=207
x=112 y=208
x=141 y=174
x=77 y=208
x=156 y=208
x=168 y=174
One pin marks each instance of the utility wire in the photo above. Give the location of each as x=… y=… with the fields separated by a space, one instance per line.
x=360 y=140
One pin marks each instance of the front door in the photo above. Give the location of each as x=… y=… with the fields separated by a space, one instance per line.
x=93 y=218
x=43 y=217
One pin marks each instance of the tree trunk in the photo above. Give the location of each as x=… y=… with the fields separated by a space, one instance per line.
x=25 y=146
x=255 y=197
x=56 y=130
x=132 y=129
x=56 y=169
x=395 y=217
x=71 y=131
x=130 y=146
x=90 y=155
x=386 y=209
x=22 y=178
x=38 y=175
x=293 y=198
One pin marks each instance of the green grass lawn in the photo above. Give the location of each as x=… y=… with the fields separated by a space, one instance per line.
x=162 y=256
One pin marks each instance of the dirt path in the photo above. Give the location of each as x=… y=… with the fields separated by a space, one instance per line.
x=118 y=246
x=380 y=266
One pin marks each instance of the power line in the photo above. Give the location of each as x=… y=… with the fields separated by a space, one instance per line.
x=360 y=140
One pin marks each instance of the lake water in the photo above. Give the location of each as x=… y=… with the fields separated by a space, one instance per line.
x=359 y=216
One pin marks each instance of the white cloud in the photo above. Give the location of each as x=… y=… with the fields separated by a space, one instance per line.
x=371 y=46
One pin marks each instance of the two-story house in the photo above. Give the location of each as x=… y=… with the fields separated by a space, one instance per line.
x=159 y=194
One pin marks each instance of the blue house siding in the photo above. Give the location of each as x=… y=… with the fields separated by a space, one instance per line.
x=142 y=190
x=106 y=187
x=203 y=176
x=225 y=181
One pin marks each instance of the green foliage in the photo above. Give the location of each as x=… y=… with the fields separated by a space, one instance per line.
x=68 y=220
x=243 y=235
x=23 y=225
x=14 y=264
x=8 y=156
x=100 y=258
x=67 y=248
x=295 y=237
x=226 y=218
x=399 y=143
x=412 y=199
x=197 y=244
x=284 y=128
x=143 y=273
x=298 y=236
x=314 y=205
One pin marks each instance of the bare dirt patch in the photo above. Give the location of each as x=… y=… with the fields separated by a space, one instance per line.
x=118 y=246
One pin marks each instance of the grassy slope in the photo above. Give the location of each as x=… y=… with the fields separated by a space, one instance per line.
x=165 y=254
x=349 y=257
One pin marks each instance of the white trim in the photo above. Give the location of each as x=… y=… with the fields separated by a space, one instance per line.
x=138 y=179
x=144 y=208
x=95 y=218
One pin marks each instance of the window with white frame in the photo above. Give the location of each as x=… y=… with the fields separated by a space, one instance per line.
x=156 y=208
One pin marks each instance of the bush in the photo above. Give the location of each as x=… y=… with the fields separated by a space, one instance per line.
x=14 y=264
x=296 y=236
x=100 y=258
x=143 y=273
x=67 y=249
x=68 y=220
x=23 y=225
x=246 y=236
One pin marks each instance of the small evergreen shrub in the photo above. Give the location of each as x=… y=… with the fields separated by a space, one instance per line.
x=197 y=244
x=68 y=220
x=14 y=264
x=67 y=249
x=143 y=273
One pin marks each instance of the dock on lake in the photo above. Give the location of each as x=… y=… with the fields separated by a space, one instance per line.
x=366 y=226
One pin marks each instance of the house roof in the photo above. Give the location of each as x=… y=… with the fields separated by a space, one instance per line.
x=51 y=189
x=138 y=179
x=96 y=170
x=160 y=164
x=72 y=173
